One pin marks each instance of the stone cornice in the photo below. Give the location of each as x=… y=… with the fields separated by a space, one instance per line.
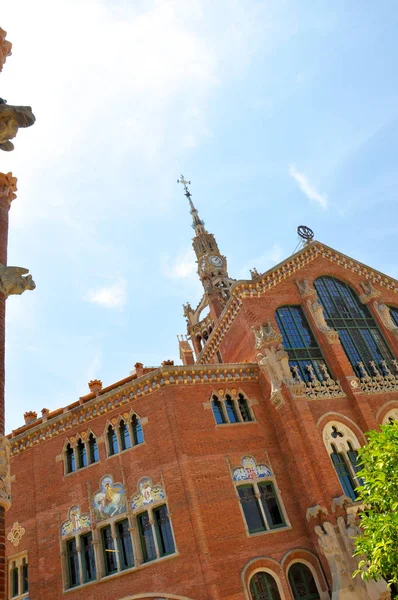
x=261 y=285
x=149 y=383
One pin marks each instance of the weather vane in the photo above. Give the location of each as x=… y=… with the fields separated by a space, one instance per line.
x=185 y=183
x=305 y=233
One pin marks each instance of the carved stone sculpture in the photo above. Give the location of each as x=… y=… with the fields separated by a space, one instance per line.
x=318 y=314
x=8 y=187
x=370 y=292
x=266 y=335
x=385 y=315
x=5 y=482
x=305 y=288
x=15 y=280
x=11 y=119
x=5 y=48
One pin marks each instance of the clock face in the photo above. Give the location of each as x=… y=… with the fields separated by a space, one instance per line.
x=216 y=261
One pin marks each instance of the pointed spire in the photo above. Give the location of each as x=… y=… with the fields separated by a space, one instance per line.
x=197 y=224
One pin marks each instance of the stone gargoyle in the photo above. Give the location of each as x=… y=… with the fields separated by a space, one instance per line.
x=15 y=280
x=11 y=119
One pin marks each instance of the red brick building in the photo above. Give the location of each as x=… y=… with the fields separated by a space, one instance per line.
x=232 y=475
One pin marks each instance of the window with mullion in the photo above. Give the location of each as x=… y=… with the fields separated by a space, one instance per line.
x=82 y=454
x=271 y=506
x=88 y=558
x=73 y=563
x=146 y=537
x=299 y=341
x=25 y=577
x=112 y=441
x=15 y=582
x=344 y=474
x=109 y=550
x=218 y=411
x=251 y=509
x=125 y=546
x=244 y=409
x=163 y=531
x=124 y=435
x=231 y=411
x=358 y=331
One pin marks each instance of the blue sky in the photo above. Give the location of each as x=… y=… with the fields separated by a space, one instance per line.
x=280 y=112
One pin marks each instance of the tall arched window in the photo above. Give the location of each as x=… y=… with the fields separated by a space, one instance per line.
x=70 y=459
x=359 y=334
x=124 y=435
x=92 y=444
x=300 y=343
x=82 y=454
x=138 y=434
x=218 y=411
x=342 y=445
x=302 y=583
x=112 y=441
x=264 y=587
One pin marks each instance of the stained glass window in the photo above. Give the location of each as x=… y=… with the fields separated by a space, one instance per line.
x=359 y=334
x=264 y=587
x=299 y=342
x=302 y=583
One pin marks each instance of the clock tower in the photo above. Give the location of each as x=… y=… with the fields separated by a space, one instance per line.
x=212 y=265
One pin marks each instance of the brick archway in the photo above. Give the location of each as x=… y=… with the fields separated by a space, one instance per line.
x=156 y=596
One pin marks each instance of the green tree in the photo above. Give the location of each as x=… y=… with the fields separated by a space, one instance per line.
x=378 y=546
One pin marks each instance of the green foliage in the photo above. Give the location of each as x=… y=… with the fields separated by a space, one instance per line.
x=379 y=495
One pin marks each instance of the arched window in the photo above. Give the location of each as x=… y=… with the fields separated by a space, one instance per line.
x=218 y=411
x=70 y=459
x=112 y=441
x=231 y=412
x=138 y=434
x=124 y=436
x=93 y=448
x=244 y=409
x=82 y=454
x=14 y=582
x=300 y=343
x=342 y=445
x=394 y=314
x=302 y=583
x=264 y=587
x=359 y=334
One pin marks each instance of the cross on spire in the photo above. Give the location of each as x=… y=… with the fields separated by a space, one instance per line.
x=197 y=223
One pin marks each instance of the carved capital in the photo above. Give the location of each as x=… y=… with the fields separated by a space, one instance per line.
x=5 y=48
x=15 y=280
x=266 y=336
x=305 y=288
x=8 y=187
x=11 y=119
x=369 y=292
x=5 y=479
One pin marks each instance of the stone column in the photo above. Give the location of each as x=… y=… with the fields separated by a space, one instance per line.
x=8 y=187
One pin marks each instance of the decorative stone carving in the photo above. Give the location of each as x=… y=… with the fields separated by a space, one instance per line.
x=319 y=388
x=254 y=273
x=5 y=48
x=8 y=187
x=314 y=512
x=370 y=292
x=5 y=480
x=11 y=119
x=305 y=288
x=14 y=280
x=378 y=383
x=385 y=315
x=266 y=335
x=16 y=534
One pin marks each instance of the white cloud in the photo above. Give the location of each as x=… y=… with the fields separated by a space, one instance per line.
x=112 y=296
x=183 y=266
x=308 y=188
x=263 y=262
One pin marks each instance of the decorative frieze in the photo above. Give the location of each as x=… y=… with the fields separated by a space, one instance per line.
x=318 y=388
x=378 y=383
x=145 y=385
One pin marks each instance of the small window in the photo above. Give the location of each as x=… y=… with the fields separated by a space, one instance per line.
x=137 y=430
x=343 y=473
x=109 y=550
x=82 y=454
x=163 y=531
x=218 y=411
x=73 y=563
x=92 y=444
x=18 y=583
x=251 y=509
x=231 y=412
x=112 y=441
x=270 y=505
x=14 y=582
x=302 y=583
x=125 y=546
x=25 y=576
x=146 y=537
x=88 y=557
x=244 y=409
x=264 y=587
x=70 y=459
x=124 y=436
